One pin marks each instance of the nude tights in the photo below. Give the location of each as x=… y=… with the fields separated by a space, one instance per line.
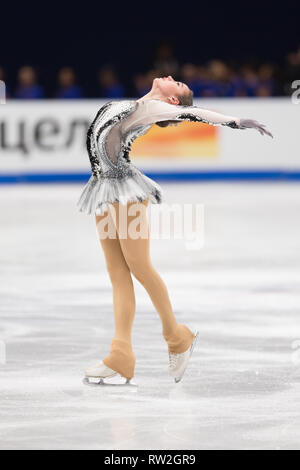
x=125 y=239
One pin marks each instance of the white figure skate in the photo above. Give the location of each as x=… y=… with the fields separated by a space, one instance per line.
x=103 y=375
x=178 y=362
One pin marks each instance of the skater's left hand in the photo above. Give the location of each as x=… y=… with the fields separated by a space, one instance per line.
x=251 y=124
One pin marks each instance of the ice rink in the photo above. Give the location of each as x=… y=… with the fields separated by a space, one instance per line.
x=242 y=291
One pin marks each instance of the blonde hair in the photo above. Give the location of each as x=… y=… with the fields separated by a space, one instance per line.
x=184 y=100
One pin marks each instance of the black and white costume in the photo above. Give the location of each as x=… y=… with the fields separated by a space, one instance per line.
x=117 y=124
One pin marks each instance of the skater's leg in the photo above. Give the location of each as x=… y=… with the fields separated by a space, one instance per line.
x=123 y=290
x=136 y=251
x=121 y=357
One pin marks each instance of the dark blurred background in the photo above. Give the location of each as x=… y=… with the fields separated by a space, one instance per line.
x=93 y=50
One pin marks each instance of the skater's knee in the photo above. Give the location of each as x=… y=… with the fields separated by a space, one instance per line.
x=141 y=272
x=117 y=274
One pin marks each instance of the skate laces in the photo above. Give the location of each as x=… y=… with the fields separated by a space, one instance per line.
x=173 y=358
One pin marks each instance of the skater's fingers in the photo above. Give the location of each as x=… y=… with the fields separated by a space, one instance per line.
x=265 y=131
x=260 y=130
x=269 y=134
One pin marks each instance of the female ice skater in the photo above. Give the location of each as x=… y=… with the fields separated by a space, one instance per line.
x=115 y=185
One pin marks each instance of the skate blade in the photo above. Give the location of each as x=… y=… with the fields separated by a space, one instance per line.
x=178 y=379
x=113 y=382
x=194 y=342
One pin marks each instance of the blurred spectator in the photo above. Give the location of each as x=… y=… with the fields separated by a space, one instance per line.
x=292 y=71
x=215 y=78
x=165 y=60
x=3 y=79
x=110 y=85
x=206 y=86
x=150 y=76
x=28 y=88
x=192 y=77
x=238 y=85
x=250 y=79
x=67 y=85
x=219 y=84
x=141 y=85
x=267 y=85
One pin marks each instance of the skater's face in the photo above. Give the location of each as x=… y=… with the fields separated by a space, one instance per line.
x=170 y=89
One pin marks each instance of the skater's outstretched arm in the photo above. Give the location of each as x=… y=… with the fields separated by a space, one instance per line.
x=153 y=111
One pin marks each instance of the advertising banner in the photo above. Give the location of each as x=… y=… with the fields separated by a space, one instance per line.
x=43 y=138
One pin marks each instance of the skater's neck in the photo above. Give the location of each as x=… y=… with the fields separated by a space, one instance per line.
x=153 y=95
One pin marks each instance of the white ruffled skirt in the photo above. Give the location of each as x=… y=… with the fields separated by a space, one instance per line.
x=99 y=193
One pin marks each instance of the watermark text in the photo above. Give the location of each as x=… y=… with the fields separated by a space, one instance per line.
x=2 y=92
x=166 y=221
x=296 y=94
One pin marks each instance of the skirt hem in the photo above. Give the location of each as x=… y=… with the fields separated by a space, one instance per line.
x=99 y=193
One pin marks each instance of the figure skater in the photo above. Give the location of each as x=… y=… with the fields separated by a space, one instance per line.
x=114 y=186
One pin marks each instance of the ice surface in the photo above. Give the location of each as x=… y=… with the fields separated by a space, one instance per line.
x=242 y=291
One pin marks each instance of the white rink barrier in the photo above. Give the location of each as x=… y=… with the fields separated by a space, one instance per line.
x=45 y=141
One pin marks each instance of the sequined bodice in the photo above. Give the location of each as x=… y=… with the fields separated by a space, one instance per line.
x=108 y=144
